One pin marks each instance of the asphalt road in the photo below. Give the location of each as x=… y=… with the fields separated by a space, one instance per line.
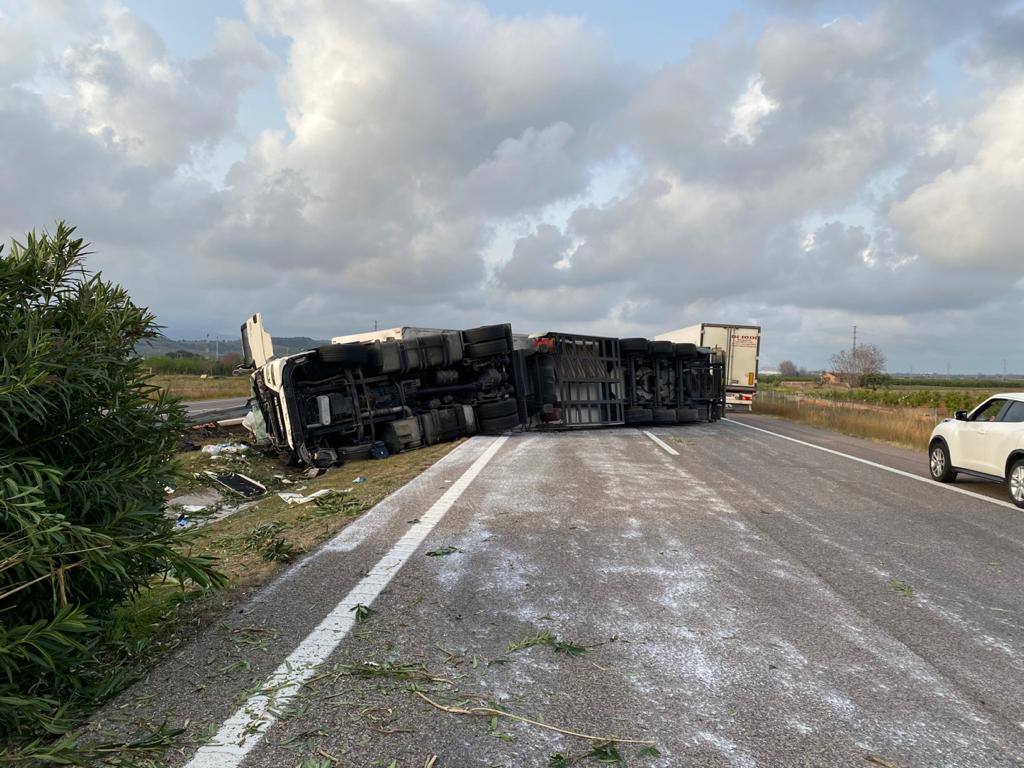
x=744 y=601
x=210 y=410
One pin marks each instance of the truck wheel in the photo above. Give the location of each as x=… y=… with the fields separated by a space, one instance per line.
x=485 y=333
x=685 y=350
x=638 y=416
x=497 y=410
x=634 y=345
x=499 y=425
x=346 y=354
x=939 y=464
x=1015 y=482
x=661 y=347
x=664 y=415
x=487 y=348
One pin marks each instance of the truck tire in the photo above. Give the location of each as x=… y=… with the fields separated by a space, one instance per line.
x=487 y=348
x=685 y=350
x=499 y=425
x=638 y=416
x=346 y=354
x=664 y=415
x=497 y=410
x=634 y=345
x=485 y=333
x=661 y=347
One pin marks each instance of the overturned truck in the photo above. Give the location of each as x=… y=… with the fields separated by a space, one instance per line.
x=394 y=390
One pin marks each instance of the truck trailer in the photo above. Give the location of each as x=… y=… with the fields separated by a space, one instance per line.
x=402 y=388
x=739 y=345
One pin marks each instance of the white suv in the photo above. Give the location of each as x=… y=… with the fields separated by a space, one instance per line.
x=988 y=442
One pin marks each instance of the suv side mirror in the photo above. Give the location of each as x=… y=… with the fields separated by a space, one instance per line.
x=960 y=415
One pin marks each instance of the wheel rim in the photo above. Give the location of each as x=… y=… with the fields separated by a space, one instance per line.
x=1017 y=483
x=938 y=463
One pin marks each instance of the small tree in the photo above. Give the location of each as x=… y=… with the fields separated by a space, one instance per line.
x=85 y=453
x=851 y=365
x=788 y=369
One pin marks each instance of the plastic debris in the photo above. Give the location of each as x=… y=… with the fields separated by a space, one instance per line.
x=256 y=425
x=240 y=484
x=182 y=521
x=359 y=480
x=298 y=498
x=314 y=472
x=221 y=449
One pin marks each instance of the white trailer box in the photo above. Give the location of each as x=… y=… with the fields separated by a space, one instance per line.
x=387 y=334
x=740 y=346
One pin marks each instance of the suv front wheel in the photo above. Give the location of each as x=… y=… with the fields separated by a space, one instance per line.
x=939 y=464
x=1015 y=482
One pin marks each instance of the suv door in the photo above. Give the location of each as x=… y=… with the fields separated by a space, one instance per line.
x=975 y=440
x=1005 y=435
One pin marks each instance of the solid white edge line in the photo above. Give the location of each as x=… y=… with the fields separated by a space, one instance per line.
x=243 y=730
x=929 y=481
x=658 y=441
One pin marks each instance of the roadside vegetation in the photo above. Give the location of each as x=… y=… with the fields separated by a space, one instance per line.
x=98 y=577
x=899 y=413
x=86 y=448
x=903 y=426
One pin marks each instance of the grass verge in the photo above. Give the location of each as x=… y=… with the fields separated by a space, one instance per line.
x=905 y=427
x=190 y=387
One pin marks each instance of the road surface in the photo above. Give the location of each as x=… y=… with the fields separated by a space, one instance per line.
x=215 y=410
x=744 y=600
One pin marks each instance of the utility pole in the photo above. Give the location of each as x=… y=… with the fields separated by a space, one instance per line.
x=375 y=325
x=855 y=338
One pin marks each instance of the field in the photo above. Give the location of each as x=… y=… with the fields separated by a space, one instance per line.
x=192 y=387
x=902 y=415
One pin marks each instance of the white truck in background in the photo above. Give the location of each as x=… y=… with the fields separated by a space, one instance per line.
x=740 y=346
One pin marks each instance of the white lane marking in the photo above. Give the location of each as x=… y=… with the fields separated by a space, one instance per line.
x=241 y=732
x=658 y=441
x=900 y=472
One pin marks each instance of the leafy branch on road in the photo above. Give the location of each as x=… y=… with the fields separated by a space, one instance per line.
x=548 y=638
x=901 y=588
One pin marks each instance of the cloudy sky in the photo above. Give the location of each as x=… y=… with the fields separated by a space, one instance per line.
x=578 y=165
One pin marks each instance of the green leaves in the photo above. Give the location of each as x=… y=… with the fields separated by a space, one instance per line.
x=85 y=449
x=548 y=638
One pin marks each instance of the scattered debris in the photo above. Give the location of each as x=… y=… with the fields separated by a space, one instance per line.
x=379 y=451
x=545 y=637
x=223 y=449
x=298 y=498
x=314 y=472
x=901 y=588
x=442 y=551
x=359 y=480
x=185 y=445
x=490 y=712
x=240 y=484
x=363 y=612
x=182 y=521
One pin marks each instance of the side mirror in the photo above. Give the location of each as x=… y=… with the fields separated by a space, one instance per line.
x=960 y=415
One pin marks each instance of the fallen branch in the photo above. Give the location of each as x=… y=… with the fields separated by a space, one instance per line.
x=489 y=712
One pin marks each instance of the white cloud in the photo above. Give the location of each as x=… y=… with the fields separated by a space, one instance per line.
x=752 y=106
x=416 y=131
x=970 y=215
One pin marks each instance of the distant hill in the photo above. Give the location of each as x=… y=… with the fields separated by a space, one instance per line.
x=209 y=348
